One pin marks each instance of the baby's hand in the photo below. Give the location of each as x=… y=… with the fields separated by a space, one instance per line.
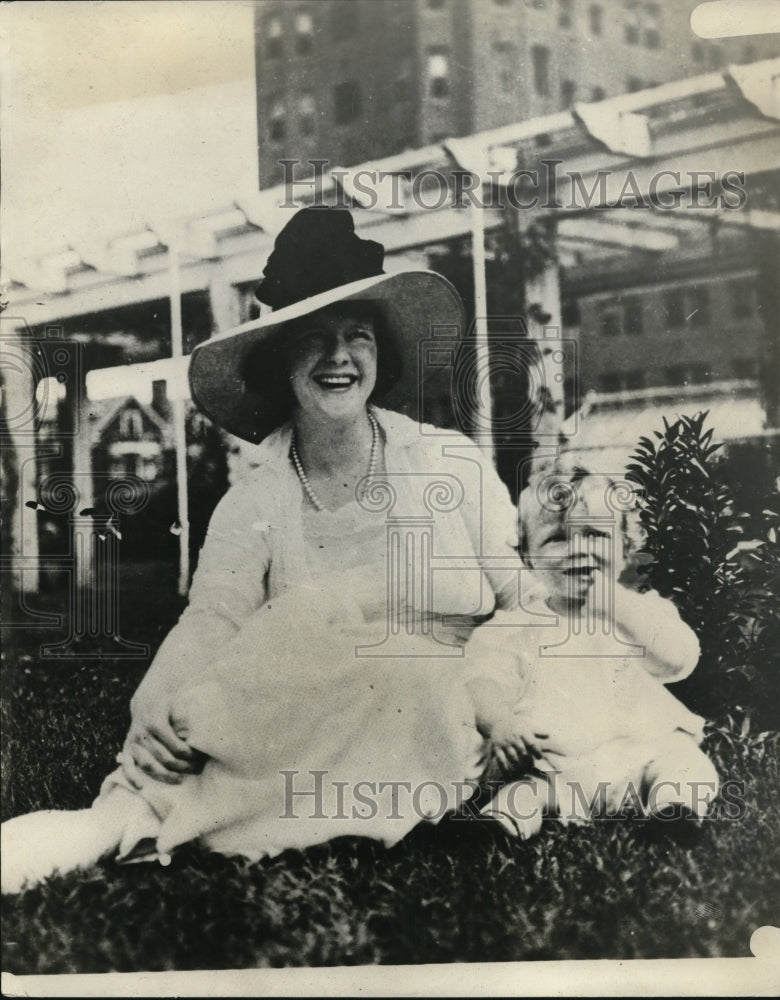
x=513 y=743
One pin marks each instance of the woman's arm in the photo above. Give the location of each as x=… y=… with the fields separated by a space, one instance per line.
x=491 y=520
x=228 y=585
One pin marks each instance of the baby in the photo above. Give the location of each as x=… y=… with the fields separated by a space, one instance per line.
x=584 y=689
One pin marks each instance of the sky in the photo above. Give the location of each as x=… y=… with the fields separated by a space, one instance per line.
x=116 y=114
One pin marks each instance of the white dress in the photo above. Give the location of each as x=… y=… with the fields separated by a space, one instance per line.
x=333 y=704
x=604 y=716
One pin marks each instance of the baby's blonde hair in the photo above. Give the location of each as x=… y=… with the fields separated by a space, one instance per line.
x=552 y=493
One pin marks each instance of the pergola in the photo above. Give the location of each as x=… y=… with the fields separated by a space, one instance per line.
x=634 y=172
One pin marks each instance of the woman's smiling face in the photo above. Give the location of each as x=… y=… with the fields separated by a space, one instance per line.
x=333 y=365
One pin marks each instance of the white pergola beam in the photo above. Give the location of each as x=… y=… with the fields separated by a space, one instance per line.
x=620 y=131
x=759 y=83
x=616 y=234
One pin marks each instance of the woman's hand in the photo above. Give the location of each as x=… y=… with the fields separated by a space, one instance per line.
x=156 y=745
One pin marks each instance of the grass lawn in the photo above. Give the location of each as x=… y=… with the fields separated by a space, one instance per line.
x=459 y=893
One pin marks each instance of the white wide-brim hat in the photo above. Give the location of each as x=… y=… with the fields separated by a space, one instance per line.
x=423 y=314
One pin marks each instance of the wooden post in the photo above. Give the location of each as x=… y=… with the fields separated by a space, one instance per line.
x=545 y=327
x=18 y=465
x=179 y=427
x=484 y=400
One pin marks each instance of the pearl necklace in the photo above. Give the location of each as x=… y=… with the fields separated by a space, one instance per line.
x=372 y=461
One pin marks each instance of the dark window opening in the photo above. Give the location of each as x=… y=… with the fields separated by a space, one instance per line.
x=570 y=312
x=699 y=312
x=634 y=379
x=304 y=32
x=504 y=58
x=344 y=15
x=745 y=367
x=741 y=295
x=611 y=323
x=438 y=73
x=346 y=100
x=674 y=306
x=277 y=127
x=633 y=315
x=273 y=38
x=540 y=56
x=307 y=110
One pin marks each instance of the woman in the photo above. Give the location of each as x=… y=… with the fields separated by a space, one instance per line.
x=318 y=652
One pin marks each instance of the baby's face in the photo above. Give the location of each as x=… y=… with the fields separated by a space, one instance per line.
x=576 y=553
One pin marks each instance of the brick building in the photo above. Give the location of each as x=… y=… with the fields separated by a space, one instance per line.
x=351 y=80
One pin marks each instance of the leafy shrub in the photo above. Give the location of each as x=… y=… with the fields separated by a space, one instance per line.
x=692 y=533
x=762 y=602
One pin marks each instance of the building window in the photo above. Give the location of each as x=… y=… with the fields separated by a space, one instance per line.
x=304 y=34
x=402 y=87
x=344 y=16
x=674 y=306
x=631 y=22
x=505 y=62
x=633 y=315
x=597 y=94
x=121 y=467
x=131 y=425
x=686 y=375
x=568 y=90
x=565 y=13
x=611 y=382
x=147 y=469
x=611 y=323
x=540 y=56
x=307 y=110
x=699 y=311
x=438 y=73
x=595 y=19
x=346 y=101
x=633 y=83
x=741 y=295
x=652 y=32
x=570 y=312
x=277 y=124
x=745 y=367
x=273 y=38
x=634 y=379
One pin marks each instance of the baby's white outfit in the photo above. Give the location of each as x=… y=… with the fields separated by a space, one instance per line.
x=610 y=732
